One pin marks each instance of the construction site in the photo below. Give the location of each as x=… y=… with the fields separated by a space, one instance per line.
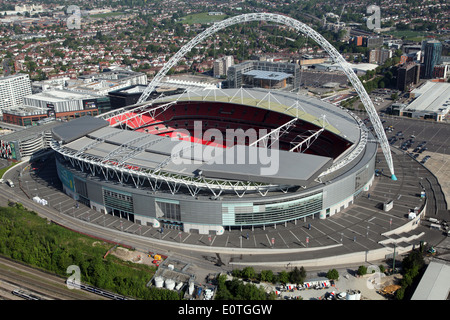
x=170 y=274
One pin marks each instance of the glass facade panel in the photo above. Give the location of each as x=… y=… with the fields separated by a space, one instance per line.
x=275 y=212
x=168 y=210
x=119 y=201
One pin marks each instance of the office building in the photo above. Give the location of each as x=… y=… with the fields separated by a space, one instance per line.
x=408 y=74
x=432 y=57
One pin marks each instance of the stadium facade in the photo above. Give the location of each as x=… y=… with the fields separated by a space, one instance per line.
x=176 y=161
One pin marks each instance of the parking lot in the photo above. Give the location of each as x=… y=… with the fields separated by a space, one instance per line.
x=428 y=142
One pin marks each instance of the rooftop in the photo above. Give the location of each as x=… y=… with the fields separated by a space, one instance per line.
x=60 y=95
x=435 y=283
x=431 y=97
x=30 y=132
x=24 y=110
x=268 y=75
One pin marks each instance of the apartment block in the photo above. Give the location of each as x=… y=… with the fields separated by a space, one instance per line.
x=12 y=90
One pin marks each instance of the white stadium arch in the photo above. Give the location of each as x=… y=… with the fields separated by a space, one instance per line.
x=304 y=29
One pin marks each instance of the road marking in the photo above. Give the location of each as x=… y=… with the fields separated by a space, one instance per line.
x=295 y=236
x=283 y=240
x=268 y=240
x=186 y=237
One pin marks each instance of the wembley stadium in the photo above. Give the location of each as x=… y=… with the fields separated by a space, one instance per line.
x=209 y=160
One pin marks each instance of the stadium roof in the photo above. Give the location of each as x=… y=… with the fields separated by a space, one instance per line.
x=131 y=148
x=78 y=128
x=266 y=166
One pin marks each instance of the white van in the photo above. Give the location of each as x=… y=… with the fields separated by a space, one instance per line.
x=433 y=220
x=435 y=226
x=10 y=183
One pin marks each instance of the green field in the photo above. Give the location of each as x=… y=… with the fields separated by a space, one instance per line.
x=202 y=18
x=107 y=15
x=410 y=34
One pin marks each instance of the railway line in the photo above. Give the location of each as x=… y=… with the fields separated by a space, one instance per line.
x=18 y=281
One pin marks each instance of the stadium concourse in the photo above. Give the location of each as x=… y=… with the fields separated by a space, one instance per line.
x=347 y=237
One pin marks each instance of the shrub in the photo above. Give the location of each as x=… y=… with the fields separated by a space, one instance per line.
x=362 y=270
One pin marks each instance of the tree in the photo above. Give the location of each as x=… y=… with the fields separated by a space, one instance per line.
x=400 y=294
x=248 y=273
x=414 y=259
x=333 y=274
x=297 y=276
x=266 y=275
x=283 y=277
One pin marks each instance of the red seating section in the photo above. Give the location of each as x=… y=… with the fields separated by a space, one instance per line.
x=179 y=121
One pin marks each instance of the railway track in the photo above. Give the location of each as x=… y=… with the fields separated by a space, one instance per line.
x=24 y=280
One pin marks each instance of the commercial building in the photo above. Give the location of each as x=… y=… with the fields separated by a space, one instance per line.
x=236 y=74
x=25 y=115
x=13 y=89
x=62 y=100
x=435 y=283
x=432 y=101
x=101 y=84
x=62 y=104
x=119 y=75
